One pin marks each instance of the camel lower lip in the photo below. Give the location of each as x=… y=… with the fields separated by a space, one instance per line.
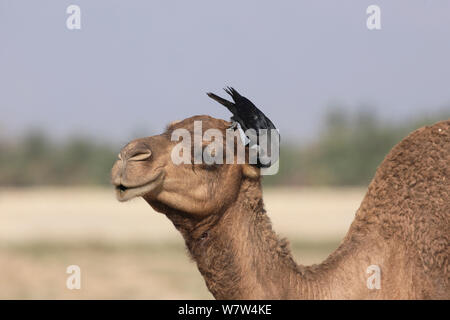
x=124 y=193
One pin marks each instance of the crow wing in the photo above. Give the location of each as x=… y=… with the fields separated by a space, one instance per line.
x=230 y=105
x=252 y=117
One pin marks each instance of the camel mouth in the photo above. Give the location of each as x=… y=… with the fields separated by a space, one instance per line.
x=125 y=193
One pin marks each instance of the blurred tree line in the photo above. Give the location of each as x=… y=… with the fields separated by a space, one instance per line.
x=36 y=160
x=346 y=152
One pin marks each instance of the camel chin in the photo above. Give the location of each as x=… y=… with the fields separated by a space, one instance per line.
x=124 y=193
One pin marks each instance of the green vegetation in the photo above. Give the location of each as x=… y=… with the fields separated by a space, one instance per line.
x=35 y=160
x=347 y=152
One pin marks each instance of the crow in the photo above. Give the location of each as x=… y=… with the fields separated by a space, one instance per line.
x=247 y=116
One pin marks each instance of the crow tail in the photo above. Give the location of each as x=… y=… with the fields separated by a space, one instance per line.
x=233 y=93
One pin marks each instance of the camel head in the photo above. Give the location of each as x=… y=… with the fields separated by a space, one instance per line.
x=146 y=168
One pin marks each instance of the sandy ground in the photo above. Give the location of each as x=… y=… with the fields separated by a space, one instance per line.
x=126 y=250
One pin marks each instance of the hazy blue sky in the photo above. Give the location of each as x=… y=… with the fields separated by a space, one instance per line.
x=136 y=65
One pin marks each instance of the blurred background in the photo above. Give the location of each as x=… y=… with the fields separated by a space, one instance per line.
x=341 y=95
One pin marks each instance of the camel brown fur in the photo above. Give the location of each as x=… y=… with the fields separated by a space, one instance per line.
x=402 y=225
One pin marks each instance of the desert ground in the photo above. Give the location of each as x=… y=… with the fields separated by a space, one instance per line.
x=128 y=251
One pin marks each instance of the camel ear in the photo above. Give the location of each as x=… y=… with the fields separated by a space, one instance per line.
x=251 y=172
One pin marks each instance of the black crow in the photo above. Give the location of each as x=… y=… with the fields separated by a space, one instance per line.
x=247 y=116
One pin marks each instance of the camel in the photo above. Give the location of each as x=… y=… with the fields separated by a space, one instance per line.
x=402 y=225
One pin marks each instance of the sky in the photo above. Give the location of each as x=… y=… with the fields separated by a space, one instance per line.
x=135 y=66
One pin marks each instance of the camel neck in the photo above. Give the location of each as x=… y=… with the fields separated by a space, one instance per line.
x=242 y=257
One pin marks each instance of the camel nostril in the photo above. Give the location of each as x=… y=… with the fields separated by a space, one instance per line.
x=140 y=155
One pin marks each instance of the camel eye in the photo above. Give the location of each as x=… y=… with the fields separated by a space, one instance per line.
x=210 y=167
